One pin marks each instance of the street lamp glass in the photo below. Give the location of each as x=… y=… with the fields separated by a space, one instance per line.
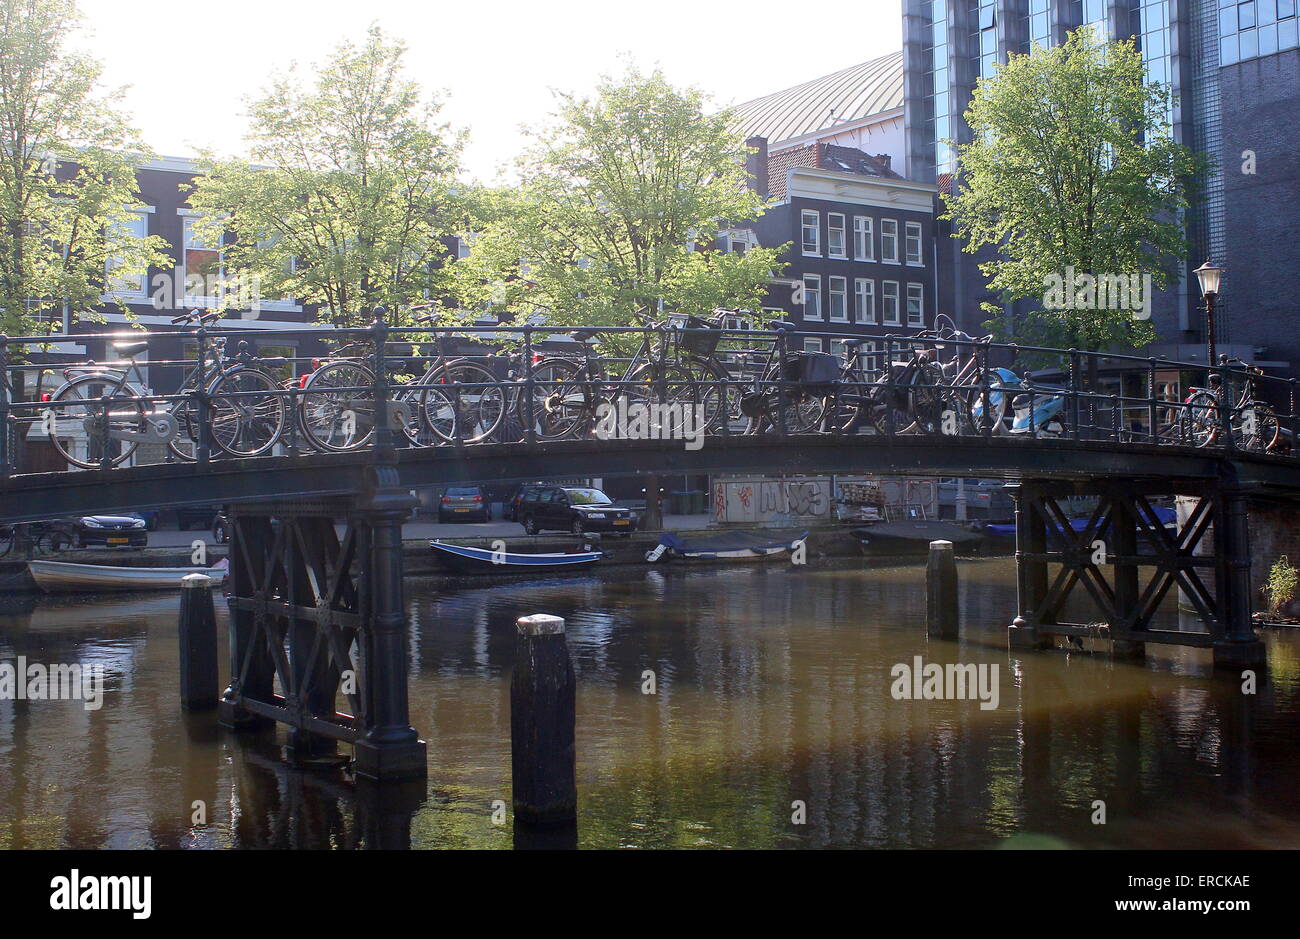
x=1209 y=276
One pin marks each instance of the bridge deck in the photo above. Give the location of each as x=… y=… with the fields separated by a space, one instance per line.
x=51 y=495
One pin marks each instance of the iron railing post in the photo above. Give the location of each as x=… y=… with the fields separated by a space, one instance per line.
x=986 y=417
x=782 y=348
x=202 y=410
x=530 y=405
x=5 y=429
x=1153 y=415
x=890 y=429
x=1225 y=405
x=379 y=335
x=1076 y=412
x=105 y=405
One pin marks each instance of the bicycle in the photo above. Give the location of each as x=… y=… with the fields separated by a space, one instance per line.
x=1252 y=422
x=103 y=412
x=44 y=537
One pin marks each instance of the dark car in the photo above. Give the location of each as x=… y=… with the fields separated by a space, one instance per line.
x=511 y=509
x=463 y=504
x=110 y=531
x=196 y=516
x=573 y=509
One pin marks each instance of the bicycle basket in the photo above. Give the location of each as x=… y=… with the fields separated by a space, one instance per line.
x=811 y=368
x=704 y=343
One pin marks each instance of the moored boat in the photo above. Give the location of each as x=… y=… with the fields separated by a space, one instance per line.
x=912 y=536
x=68 y=577
x=726 y=545
x=470 y=560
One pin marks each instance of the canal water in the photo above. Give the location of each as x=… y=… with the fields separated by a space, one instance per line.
x=772 y=724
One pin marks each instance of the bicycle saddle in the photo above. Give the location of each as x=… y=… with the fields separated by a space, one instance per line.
x=781 y=324
x=130 y=348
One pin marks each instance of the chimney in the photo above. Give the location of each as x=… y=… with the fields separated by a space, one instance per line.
x=756 y=165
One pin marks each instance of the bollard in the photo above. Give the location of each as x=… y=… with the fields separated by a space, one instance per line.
x=198 y=635
x=941 y=616
x=542 y=718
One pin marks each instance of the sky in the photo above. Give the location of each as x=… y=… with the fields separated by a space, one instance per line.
x=189 y=67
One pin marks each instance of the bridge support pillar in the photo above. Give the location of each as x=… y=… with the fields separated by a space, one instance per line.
x=1237 y=644
x=1128 y=562
x=318 y=621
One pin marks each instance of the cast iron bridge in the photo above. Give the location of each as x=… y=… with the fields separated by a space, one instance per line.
x=318 y=628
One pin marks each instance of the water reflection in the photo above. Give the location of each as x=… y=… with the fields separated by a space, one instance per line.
x=772 y=690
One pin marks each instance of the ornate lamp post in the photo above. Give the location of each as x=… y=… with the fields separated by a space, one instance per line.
x=1209 y=276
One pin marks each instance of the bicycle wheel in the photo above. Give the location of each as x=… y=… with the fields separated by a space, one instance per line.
x=1199 y=423
x=710 y=390
x=464 y=403
x=185 y=445
x=246 y=411
x=333 y=418
x=82 y=431
x=1256 y=427
x=51 y=542
x=563 y=402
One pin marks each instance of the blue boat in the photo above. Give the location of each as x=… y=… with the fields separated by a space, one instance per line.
x=469 y=560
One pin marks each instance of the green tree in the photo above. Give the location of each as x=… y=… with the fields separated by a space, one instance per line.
x=67 y=177
x=350 y=193
x=613 y=200
x=1072 y=166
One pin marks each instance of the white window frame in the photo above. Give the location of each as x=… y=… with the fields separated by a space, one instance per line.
x=804 y=215
x=916 y=292
x=864 y=238
x=889 y=239
x=129 y=293
x=912 y=230
x=864 y=301
x=188 y=219
x=869 y=362
x=812 y=344
x=831 y=228
x=812 y=284
x=885 y=296
x=843 y=293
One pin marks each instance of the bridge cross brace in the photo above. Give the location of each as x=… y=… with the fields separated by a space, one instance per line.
x=318 y=629
x=1126 y=562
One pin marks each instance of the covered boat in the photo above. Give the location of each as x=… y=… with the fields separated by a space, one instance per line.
x=912 y=536
x=470 y=560
x=726 y=545
x=67 y=577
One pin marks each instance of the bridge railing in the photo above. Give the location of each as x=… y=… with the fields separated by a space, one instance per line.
x=460 y=386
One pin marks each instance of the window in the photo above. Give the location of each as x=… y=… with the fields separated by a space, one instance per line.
x=835 y=236
x=889 y=302
x=839 y=299
x=870 y=363
x=864 y=290
x=812 y=344
x=913 y=243
x=1285 y=8
x=812 y=232
x=840 y=349
x=737 y=247
x=201 y=262
x=812 y=296
x=889 y=240
x=915 y=305
x=133 y=228
x=283 y=371
x=864 y=246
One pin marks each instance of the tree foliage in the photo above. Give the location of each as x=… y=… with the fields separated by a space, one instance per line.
x=349 y=197
x=614 y=199
x=1072 y=165
x=67 y=176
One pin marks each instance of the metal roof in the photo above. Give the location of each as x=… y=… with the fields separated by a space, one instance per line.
x=824 y=103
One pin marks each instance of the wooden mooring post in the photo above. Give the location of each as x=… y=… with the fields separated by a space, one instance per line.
x=942 y=617
x=198 y=639
x=542 y=719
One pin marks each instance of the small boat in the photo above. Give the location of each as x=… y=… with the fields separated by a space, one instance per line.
x=725 y=545
x=912 y=536
x=64 y=576
x=468 y=560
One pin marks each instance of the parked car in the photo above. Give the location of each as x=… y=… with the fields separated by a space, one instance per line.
x=150 y=517
x=110 y=531
x=463 y=504
x=196 y=516
x=573 y=509
x=511 y=510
